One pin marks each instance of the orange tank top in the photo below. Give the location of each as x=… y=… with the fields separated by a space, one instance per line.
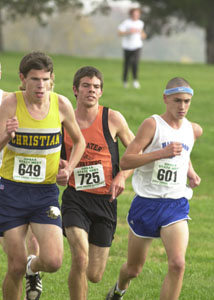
x=100 y=161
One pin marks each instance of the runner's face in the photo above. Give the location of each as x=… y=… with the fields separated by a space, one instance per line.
x=178 y=105
x=89 y=91
x=37 y=83
x=135 y=15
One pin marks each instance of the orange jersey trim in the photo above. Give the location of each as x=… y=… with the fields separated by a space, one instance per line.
x=100 y=149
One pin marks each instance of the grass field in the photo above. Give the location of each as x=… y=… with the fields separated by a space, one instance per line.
x=137 y=105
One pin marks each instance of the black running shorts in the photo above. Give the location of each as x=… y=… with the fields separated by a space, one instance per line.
x=91 y=212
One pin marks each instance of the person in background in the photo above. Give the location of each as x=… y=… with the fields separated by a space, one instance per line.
x=89 y=205
x=132 y=32
x=30 y=165
x=161 y=155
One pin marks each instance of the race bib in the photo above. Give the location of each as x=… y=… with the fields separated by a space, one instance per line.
x=166 y=173
x=30 y=169
x=89 y=177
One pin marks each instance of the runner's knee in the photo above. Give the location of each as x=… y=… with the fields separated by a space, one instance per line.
x=95 y=277
x=52 y=264
x=177 y=265
x=17 y=267
x=80 y=262
x=133 y=271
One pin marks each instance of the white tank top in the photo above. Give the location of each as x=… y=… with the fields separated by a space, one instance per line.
x=1 y=95
x=166 y=178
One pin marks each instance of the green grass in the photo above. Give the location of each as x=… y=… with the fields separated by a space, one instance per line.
x=137 y=105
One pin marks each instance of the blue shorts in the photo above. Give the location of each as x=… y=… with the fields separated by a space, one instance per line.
x=147 y=215
x=24 y=203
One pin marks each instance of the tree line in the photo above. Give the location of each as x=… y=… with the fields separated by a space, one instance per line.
x=157 y=15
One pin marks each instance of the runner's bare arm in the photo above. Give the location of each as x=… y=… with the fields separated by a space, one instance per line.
x=69 y=122
x=134 y=157
x=119 y=129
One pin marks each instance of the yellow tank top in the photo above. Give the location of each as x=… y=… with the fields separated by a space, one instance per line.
x=33 y=155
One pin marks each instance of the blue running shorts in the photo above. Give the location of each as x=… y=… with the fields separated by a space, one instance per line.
x=24 y=203
x=147 y=215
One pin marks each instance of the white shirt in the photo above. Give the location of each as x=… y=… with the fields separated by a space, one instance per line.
x=131 y=41
x=166 y=178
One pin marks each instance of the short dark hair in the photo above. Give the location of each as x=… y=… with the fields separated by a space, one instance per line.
x=35 y=60
x=87 y=71
x=132 y=10
x=176 y=82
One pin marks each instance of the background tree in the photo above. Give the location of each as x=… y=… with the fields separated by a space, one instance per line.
x=158 y=16
x=40 y=9
x=10 y=10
